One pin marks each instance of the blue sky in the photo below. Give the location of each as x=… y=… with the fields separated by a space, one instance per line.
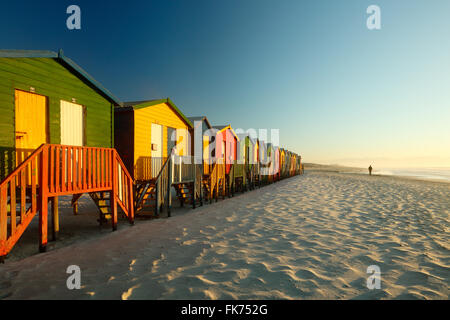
x=338 y=92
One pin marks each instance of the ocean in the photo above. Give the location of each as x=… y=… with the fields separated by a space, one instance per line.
x=440 y=174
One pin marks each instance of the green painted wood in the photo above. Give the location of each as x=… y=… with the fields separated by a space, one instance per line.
x=50 y=78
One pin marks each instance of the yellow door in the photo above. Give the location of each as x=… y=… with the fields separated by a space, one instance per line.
x=206 y=158
x=31 y=123
x=182 y=142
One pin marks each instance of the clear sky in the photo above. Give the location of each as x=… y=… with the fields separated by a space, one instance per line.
x=338 y=92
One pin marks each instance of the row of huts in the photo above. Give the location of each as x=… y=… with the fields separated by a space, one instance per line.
x=63 y=134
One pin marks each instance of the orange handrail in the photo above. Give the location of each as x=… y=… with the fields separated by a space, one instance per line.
x=22 y=178
x=22 y=165
x=54 y=170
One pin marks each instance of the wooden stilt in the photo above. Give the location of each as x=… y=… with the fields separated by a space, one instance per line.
x=55 y=218
x=131 y=200
x=43 y=201
x=74 y=203
x=3 y=220
x=112 y=197
x=169 y=186
x=224 y=186
x=217 y=189
x=113 y=211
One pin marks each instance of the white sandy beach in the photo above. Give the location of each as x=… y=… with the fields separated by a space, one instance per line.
x=307 y=237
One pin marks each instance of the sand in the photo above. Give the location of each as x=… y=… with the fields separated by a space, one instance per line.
x=307 y=237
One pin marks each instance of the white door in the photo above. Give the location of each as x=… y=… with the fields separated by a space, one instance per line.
x=72 y=128
x=72 y=124
x=157 y=138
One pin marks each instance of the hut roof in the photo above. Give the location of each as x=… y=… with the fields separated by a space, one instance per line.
x=67 y=63
x=224 y=127
x=201 y=118
x=133 y=105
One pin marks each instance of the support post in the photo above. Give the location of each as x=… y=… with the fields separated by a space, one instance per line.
x=131 y=202
x=112 y=197
x=201 y=183
x=169 y=186
x=3 y=221
x=157 y=202
x=224 y=182
x=75 y=208
x=55 y=218
x=194 y=186
x=43 y=200
x=217 y=185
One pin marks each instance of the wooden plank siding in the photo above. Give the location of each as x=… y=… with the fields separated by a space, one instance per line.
x=133 y=134
x=160 y=114
x=124 y=137
x=50 y=77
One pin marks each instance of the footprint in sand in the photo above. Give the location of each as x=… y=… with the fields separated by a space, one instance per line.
x=189 y=242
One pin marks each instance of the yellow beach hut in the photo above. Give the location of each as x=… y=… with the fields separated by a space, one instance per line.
x=146 y=134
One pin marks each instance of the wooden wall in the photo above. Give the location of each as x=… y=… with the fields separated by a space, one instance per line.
x=49 y=78
x=161 y=114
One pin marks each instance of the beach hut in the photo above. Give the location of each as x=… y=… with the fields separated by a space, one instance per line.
x=147 y=135
x=240 y=177
x=226 y=144
x=276 y=163
x=296 y=164
x=244 y=166
x=270 y=165
x=201 y=137
x=257 y=164
x=251 y=161
x=287 y=164
x=263 y=162
x=56 y=138
x=282 y=163
x=292 y=166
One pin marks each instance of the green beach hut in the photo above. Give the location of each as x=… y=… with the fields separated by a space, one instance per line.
x=45 y=97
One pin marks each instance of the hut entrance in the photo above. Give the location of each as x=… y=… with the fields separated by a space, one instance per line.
x=31 y=123
x=156 y=140
x=72 y=132
x=171 y=139
x=72 y=124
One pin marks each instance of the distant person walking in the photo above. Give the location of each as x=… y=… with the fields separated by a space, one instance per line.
x=370 y=170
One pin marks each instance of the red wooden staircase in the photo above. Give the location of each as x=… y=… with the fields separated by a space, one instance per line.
x=57 y=170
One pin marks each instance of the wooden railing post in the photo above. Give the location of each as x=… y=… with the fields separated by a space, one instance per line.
x=231 y=181
x=169 y=185
x=43 y=200
x=157 y=202
x=217 y=181
x=112 y=197
x=55 y=218
x=244 y=179
x=200 y=174
x=3 y=220
x=130 y=201
x=194 y=187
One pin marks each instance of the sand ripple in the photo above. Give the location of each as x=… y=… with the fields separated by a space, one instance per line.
x=309 y=237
